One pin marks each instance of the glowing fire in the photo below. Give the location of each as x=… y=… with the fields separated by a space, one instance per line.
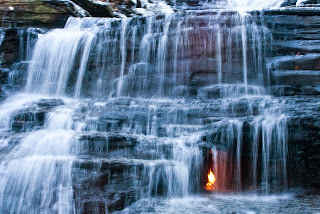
x=211 y=181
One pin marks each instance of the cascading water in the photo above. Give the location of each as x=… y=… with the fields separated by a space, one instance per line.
x=253 y=5
x=2 y=36
x=245 y=5
x=140 y=109
x=36 y=175
x=50 y=68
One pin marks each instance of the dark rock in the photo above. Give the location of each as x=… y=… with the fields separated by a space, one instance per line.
x=131 y=4
x=49 y=103
x=8 y=47
x=33 y=117
x=106 y=187
x=293 y=3
x=105 y=145
x=96 y=9
x=298 y=46
x=300 y=11
x=309 y=90
x=304 y=138
x=298 y=62
x=127 y=11
x=295 y=69
x=297 y=78
x=139 y=5
x=23 y=13
x=27 y=120
x=3 y=80
x=284 y=90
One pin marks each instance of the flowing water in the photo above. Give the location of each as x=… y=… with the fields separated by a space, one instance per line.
x=133 y=113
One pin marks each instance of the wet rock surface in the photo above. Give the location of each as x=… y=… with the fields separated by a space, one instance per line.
x=96 y=8
x=9 y=47
x=295 y=73
x=24 y=13
x=33 y=117
x=304 y=130
x=295 y=67
x=124 y=149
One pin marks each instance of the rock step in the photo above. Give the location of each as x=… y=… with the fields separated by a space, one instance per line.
x=33 y=117
x=312 y=10
x=115 y=183
x=163 y=119
x=308 y=61
x=288 y=90
x=297 y=78
x=133 y=147
x=96 y=9
x=297 y=46
x=25 y=13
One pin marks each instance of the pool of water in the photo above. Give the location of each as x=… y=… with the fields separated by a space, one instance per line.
x=229 y=203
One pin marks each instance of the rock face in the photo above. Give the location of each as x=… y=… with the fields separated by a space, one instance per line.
x=15 y=52
x=295 y=73
x=8 y=47
x=40 y=13
x=19 y=14
x=9 y=42
x=295 y=67
x=299 y=3
x=101 y=9
x=304 y=135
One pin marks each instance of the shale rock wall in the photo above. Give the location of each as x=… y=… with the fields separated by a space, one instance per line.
x=295 y=69
x=39 y=13
x=295 y=72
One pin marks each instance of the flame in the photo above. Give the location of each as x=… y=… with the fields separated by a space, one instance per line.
x=211 y=181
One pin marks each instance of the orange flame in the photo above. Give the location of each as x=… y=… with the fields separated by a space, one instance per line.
x=211 y=181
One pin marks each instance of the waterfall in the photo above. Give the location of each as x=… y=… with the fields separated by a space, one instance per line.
x=257 y=4
x=219 y=57
x=2 y=36
x=124 y=23
x=244 y=48
x=169 y=41
x=162 y=53
x=36 y=175
x=54 y=59
x=83 y=64
x=120 y=110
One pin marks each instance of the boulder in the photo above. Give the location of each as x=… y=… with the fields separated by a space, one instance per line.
x=96 y=8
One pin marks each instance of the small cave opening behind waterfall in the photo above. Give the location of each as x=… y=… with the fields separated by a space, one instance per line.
x=248 y=156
